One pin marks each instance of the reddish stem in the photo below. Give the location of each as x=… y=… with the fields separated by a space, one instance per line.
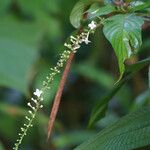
x=59 y=95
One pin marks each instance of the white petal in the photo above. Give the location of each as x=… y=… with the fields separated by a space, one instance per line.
x=38 y=93
x=92 y=25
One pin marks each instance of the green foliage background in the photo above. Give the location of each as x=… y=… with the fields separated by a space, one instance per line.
x=32 y=34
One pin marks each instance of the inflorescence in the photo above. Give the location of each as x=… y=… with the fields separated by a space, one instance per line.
x=35 y=104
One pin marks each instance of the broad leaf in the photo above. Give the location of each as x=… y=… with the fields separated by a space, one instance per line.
x=101 y=106
x=130 y=132
x=124 y=33
x=19 y=43
x=96 y=10
x=78 y=11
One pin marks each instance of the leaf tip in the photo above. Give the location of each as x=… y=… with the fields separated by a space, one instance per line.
x=120 y=77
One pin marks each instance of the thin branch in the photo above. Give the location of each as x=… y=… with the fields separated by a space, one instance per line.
x=59 y=95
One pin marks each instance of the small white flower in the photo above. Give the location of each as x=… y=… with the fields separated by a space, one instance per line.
x=92 y=25
x=41 y=106
x=38 y=93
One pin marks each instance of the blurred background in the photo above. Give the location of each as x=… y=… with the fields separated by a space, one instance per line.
x=32 y=34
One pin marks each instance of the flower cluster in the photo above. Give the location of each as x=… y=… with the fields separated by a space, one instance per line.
x=57 y=69
x=72 y=46
x=35 y=104
x=75 y=42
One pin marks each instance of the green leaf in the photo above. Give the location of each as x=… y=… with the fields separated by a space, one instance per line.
x=40 y=11
x=4 y=5
x=135 y=6
x=18 y=52
x=124 y=33
x=78 y=11
x=96 y=10
x=37 y=7
x=130 y=132
x=101 y=106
